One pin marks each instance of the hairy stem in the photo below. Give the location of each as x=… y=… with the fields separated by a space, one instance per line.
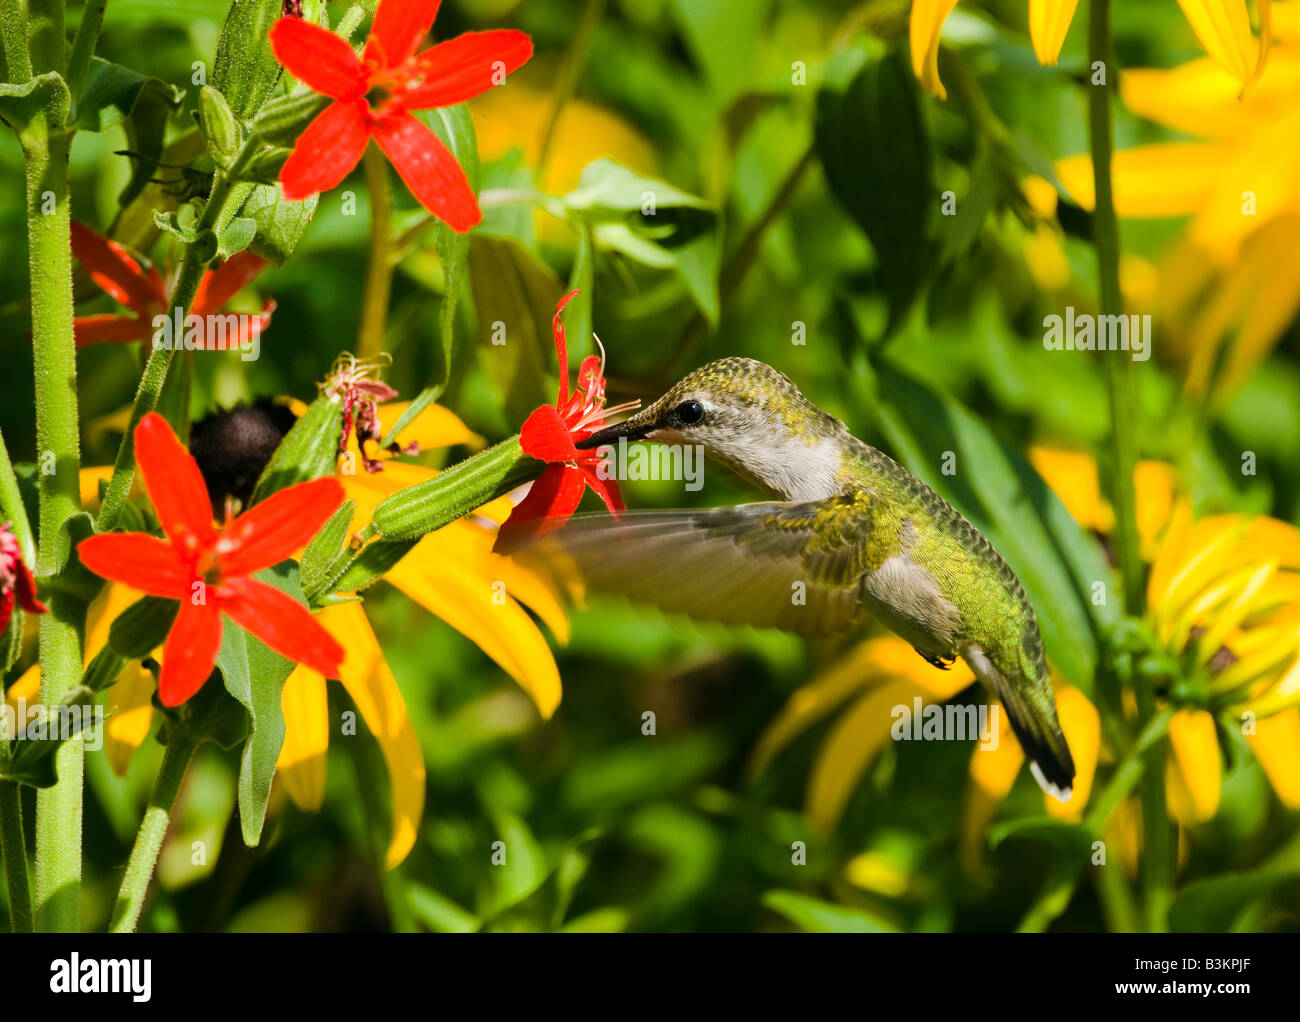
x=83 y=46
x=13 y=846
x=149 y=839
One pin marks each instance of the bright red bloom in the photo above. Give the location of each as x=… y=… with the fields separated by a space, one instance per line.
x=376 y=93
x=209 y=569
x=15 y=579
x=144 y=291
x=551 y=434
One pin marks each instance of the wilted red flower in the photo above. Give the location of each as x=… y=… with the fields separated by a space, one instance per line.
x=15 y=579
x=551 y=433
x=144 y=291
x=376 y=93
x=210 y=569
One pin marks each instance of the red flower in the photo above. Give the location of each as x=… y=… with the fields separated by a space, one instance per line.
x=15 y=579
x=550 y=434
x=209 y=569
x=376 y=93
x=145 y=293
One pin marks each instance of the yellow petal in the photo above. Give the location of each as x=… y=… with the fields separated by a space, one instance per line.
x=924 y=29
x=1164 y=179
x=374 y=690
x=1073 y=478
x=301 y=766
x=1223 y=27
x=434 y=427
x=438 y=575
x=89 y=481
x=1082 y=728
x=130 y=709
x=1049 y=20
x=1276 y=744
x=1193 y=776
x=1155 y=484
x=27 y=687
x=992 y=775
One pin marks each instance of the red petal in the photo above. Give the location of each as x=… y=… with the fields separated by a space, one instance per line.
x=400 y=25
x=143 y=562
x=6 y=608
x=318 y=57
x=546 y=437
x=561 y=347
x=175 y=484
x=554 y=497
x=115 y=271
x=108 y=326
x=222 y=284
x=284 y=624
x=464 y=67
x=272 y=530
x=331 y=146
x=190 y=652
x=606 y=489
x=25 y=587
x=428 y=168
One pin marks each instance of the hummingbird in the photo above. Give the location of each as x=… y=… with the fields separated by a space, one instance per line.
x=849 y=533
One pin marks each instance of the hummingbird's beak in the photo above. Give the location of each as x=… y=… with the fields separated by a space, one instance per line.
x=631 y=429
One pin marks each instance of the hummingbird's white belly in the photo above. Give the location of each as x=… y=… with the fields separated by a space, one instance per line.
x=907 y=600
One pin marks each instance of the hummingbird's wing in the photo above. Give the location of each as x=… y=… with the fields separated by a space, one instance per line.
x=782 y=565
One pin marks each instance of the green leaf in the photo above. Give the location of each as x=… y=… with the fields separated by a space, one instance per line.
x=112 y=93
x=1010 y=504
x=1216 y=903
x=237 y=236
x=280 y=223
x=816 y=916
x=875 y=148
x=45 y=94
x=245 y=69
x=324 y=551
x=654 y=223
x=308 y=451
x=255 y=676
x=515 y=296
x=1072 y=840
x=33 y=761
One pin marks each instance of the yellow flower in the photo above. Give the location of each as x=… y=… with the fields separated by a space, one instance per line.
x=1230 y=287
x=1222 y=26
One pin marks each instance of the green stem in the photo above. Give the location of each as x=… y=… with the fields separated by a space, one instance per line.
x=574 y=63
x=160 y=360
x=13 y=846
x=1158 y=848
x=46 y=36
x=58 y=808
x=11 y=503
x=379 y=271
x=149 y=839
x=13 y=30
x=83 y=46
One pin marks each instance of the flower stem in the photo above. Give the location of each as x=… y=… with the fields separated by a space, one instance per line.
x=149 y=839
x=1158 y=848
x=574 y=63
x=13 y=30
x=160 y=360
x=83 y=46
x=379 y=271
x=13 y=847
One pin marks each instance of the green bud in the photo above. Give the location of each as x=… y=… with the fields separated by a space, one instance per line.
x=284 y=118
x=308 y=451
x=246 y=70
x=220 y=128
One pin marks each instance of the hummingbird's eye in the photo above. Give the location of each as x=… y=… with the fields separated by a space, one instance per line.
x=690 y=412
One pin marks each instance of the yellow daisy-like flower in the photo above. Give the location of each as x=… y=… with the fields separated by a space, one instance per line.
x=1230 y=287
x=1222 y=26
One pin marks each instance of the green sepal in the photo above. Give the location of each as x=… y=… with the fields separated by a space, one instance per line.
x=308 y=451
x=324 y=559
x=245 y=69
x=142 y=627
x=220 y=127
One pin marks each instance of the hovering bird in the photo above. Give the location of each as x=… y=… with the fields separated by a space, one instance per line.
x=851 y=533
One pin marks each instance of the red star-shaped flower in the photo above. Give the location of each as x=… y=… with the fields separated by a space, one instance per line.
x=144 y=292
x=550 y=434
x=375 y=93
x=210 y=569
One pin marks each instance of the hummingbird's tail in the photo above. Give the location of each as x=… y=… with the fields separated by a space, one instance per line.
x=1031 y=708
